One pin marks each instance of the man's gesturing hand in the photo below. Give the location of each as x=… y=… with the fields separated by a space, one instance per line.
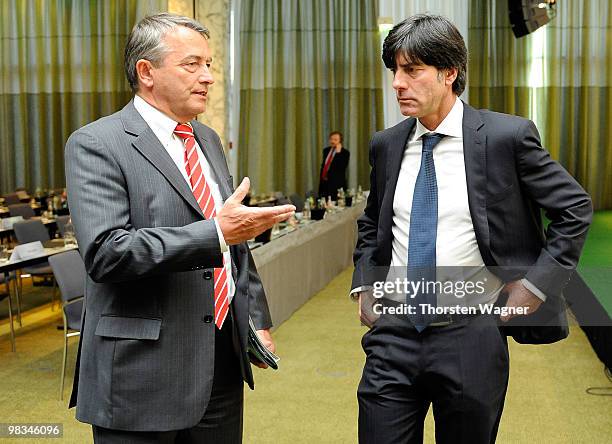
x=239 y=223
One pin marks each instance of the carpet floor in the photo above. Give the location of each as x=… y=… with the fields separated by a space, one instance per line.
x=311 y=398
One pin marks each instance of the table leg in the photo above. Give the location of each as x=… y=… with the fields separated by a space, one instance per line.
x=10 y=307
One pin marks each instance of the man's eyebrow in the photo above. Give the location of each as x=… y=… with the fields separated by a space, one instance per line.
x=408 y=64
x=195 y=57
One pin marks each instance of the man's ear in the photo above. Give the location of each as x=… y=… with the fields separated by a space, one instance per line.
x=143 y=71
x=450 y=75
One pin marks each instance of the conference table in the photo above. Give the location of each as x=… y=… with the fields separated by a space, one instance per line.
x=5 y=212
x=295 y=267
x=50 y=248
x=8 y=232
x=7 y=266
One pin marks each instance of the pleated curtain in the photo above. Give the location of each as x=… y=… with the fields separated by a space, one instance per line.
x=306 y=68
x=61 y=66
x=560 y=77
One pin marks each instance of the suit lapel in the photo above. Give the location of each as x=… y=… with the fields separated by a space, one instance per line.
x=475 y=158
x=396 y=145
x=395 y=153
x=150 y=147
x=215 y=160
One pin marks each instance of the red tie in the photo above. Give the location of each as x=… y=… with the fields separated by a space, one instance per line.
x=205 y=200
x=328 y=161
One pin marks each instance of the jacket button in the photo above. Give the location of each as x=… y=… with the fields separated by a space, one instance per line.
x=207 y=319
x=207 y=275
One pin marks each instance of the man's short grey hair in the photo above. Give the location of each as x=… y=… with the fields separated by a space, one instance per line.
x=146 y=41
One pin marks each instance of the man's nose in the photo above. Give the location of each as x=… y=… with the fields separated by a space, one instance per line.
x=398 y=81
x=206 y=76
x=207 y=79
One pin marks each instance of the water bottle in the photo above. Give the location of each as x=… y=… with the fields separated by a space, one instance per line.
x=306 y=210
x=69 y=235
x=341 y=201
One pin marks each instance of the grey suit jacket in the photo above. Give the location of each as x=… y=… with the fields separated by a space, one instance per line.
x=147 y=341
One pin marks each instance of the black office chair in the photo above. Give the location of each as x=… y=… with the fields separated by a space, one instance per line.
x=11 y=199
x=61 y=222
x=283 y=200
x=313 y=194
x=7 y=295
x=69 y=271
x=32 y=231
x=298 y=202
x=24 y=210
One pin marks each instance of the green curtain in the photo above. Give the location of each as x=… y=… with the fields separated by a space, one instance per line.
x=577 y=97
x=307 y=68
x=61 y=66
x=560 y=77
x=498 y=64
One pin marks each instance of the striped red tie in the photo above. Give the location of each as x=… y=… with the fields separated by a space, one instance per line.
x=205 y=200
x=328 y=161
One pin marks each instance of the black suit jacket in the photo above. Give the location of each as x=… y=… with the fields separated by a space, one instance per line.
x=336 y=175
x=510 y=179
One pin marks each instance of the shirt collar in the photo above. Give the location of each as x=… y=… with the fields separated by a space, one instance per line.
x=452 y=125
x=162 y=125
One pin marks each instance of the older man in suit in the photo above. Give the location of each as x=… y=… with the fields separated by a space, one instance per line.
x=171 y=282
x=453 y=186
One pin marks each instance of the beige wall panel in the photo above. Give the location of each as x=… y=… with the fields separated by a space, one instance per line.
x=214 y=14
x=182 y=7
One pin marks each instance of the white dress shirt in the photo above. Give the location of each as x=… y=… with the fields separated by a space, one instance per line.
x=456 y=244
x=163 y=127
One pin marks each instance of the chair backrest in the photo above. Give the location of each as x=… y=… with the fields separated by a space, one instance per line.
x=61 y=222
x=313 y=194
x=283 y=201
x=74 y=314
x=24 y=210
x=298 y=202
x=30 y=231
x=11 y=199
x=69 y=271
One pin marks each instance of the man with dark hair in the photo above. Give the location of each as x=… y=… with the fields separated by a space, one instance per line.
x=333 y=168
x=453 y=186
x=170 y=283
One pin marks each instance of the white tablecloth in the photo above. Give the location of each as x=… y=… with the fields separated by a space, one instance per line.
x=293 y=268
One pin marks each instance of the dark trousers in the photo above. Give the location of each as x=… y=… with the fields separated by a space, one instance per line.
x=222 y=422
x=461 y=369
